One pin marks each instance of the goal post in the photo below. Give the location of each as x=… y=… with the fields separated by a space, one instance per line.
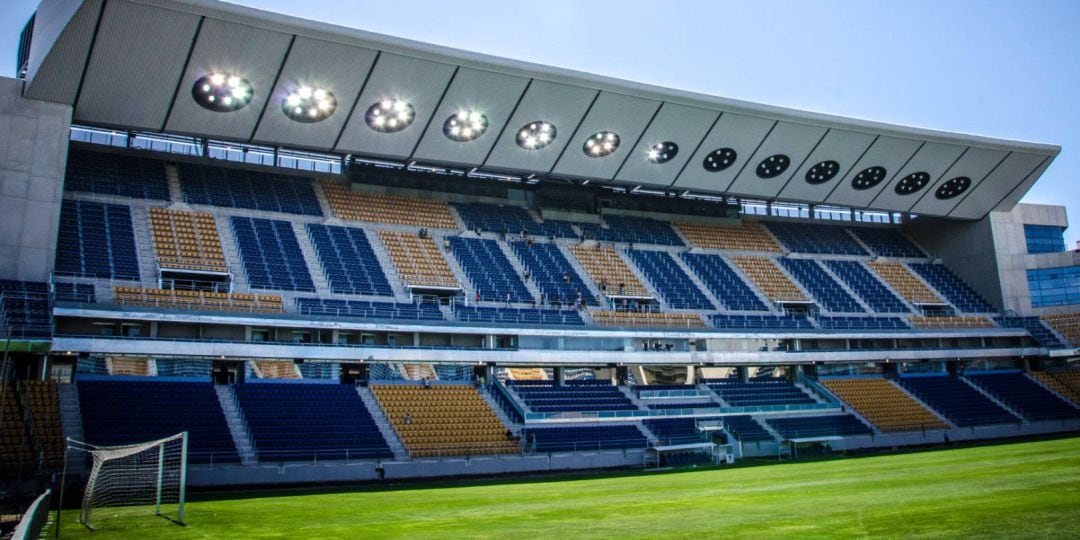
x=135 y=480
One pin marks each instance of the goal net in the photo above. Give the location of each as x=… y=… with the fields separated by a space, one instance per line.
x=135 y=480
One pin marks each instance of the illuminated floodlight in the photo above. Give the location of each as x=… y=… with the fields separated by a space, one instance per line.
x=390 y=115
x=309 y=104
x=465 y=125
x=601 y=144
x=536 y=135
x=222 y=92
x=662 y=152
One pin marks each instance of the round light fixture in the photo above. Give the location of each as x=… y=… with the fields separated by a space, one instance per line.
x=720 y=159
x=868 y=177
x=773 y=166
x=952 y=187
x=663 y=152
x=309 y=104
x=465 y=126
x=536 y=135
x=822 y=172
x=222 y=92
x=912 y=183
x=390 y=115
x=601 y=144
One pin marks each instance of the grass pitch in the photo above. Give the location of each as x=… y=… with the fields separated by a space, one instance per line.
x=1017 y=490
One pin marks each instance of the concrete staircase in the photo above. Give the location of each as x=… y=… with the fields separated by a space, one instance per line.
x=320 y=196
x=1049 y=389
x=765 y=425
x=387 y=431
x=632 y=396
x=455 y=267
x=232 y=253
x=712 y=393
x=890 y=288
x=649 y=286
x=71 y=422
x=172 y=175
x=485 y=392
x=234 y=418
x=653 y=438
x=753 y=286
x=397 y=284
x=144 y=246
x=586 y=279
x=530 y=284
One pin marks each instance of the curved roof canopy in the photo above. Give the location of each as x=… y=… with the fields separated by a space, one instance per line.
x=212 y=69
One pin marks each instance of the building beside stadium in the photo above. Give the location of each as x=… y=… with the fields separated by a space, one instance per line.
x=328 y=254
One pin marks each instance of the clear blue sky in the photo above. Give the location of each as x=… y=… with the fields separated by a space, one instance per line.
x=1002 y=69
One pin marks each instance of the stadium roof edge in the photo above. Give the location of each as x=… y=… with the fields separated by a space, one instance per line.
x=81 y=47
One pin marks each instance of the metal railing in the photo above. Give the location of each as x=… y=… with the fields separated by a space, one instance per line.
x=34 y=519
x=660 y=413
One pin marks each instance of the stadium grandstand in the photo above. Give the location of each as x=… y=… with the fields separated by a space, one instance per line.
x=329 y=255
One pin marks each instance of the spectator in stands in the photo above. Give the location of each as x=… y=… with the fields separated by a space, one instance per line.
x=622 y=289
x=422 y=233
x=525 y=275
x=603 y=285
x=524 y=234
x=446 y=243
x=380 y=472
x=408 y=419
x=566 y=277
x=477 y=296
x=529 y=242
x=508 y=297
x=426 y=382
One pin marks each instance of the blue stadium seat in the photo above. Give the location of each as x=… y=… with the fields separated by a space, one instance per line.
x=759 y=392
x=183 y=367
x=672 y=431
x=761 y=322
x=477 y=314
x=821 y=285
x=746 y=429
x=299 y=421
x=25 y=309
x=271 y=255
x=632 y=230
x=955 y=290
x=868 y=287
x=544 y=397
x=75 y=292
x=801 y=427
x=489 y=270
x=96 y=240
x=861 y=323
x=127 y=412
x=586 y=438
x=498 y=218
x=811 y=238
x=888 y=242
x=723 y=282
x=350 y=264
x=954 y=399
x=363 y=309
x=242 y=188
x=1024 y=396
x=669 y=280
x=1035 y=327
x=548 y=268
x=116 y=174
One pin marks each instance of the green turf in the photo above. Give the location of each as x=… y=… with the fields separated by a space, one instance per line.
x=1017 y=490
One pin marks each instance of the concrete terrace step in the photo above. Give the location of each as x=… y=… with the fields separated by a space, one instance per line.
x=387 y=431
x=234 y=418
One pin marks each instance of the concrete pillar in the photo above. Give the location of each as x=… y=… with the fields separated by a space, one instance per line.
x=621 y=377
x=690 y=374
x=33 y=156
x=559 y=376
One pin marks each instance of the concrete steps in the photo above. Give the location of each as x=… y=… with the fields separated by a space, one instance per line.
x=234 y=418
x=172 y=175
x=71 y=422
x=866 y=307
x=769 y=304
x=397 y=284
x=387 y=431
x=696 y=280
x=994 y=399
x=144 y=246
x=311 y=259
x=485 y=392
x=232 y=253
x=530 y=284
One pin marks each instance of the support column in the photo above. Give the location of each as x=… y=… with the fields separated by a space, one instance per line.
x=559 y=376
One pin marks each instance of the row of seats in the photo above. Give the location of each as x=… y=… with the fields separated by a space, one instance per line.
x=957 y=401
x=952 y=287
x=743 y=236
x=746 y=429
x=271 y=254
x=633 y=230
x=960 y=321
x=418 y=260
x=242 y=188
x=510 y=220
x=128 y=366
x=197 y=300
x=25 y=309
x=96 y=240
x=585 y=438
x=723 y=282
x=551 y=272
x=904 y=282
x=1066 y=324
x=609 y=271
x=869 y=288
x=887 y=242
x=1064 y=382
x=761 y=322
x=763 y=392
x=348 y=260
x=647 y=319
x=861 y=323
x=673 y=431
x=304 y=421
x=44 y=401
x=769 y=279
x=18 y=451
x=805 y=427
x=669 y=280
x=395 y=209
x=444 y=420
x=816 y=239
x=268 y=369
x=75 y=292
x=363 y=309
x=476 y=314
x=884 y=404
x=821 y=285
x=592 y=397
x=1035 y=327
x=115 y=174
x=492 y=276
x=1024 y=396
x=186 y=240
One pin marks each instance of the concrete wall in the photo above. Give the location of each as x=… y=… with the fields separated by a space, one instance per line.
x=963 y=247
x=33 y=153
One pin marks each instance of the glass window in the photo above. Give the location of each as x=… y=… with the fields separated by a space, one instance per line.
x=1054 y=286
x=1044 y=239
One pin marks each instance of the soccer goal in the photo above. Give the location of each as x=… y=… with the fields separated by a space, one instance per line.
x=146 y=479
